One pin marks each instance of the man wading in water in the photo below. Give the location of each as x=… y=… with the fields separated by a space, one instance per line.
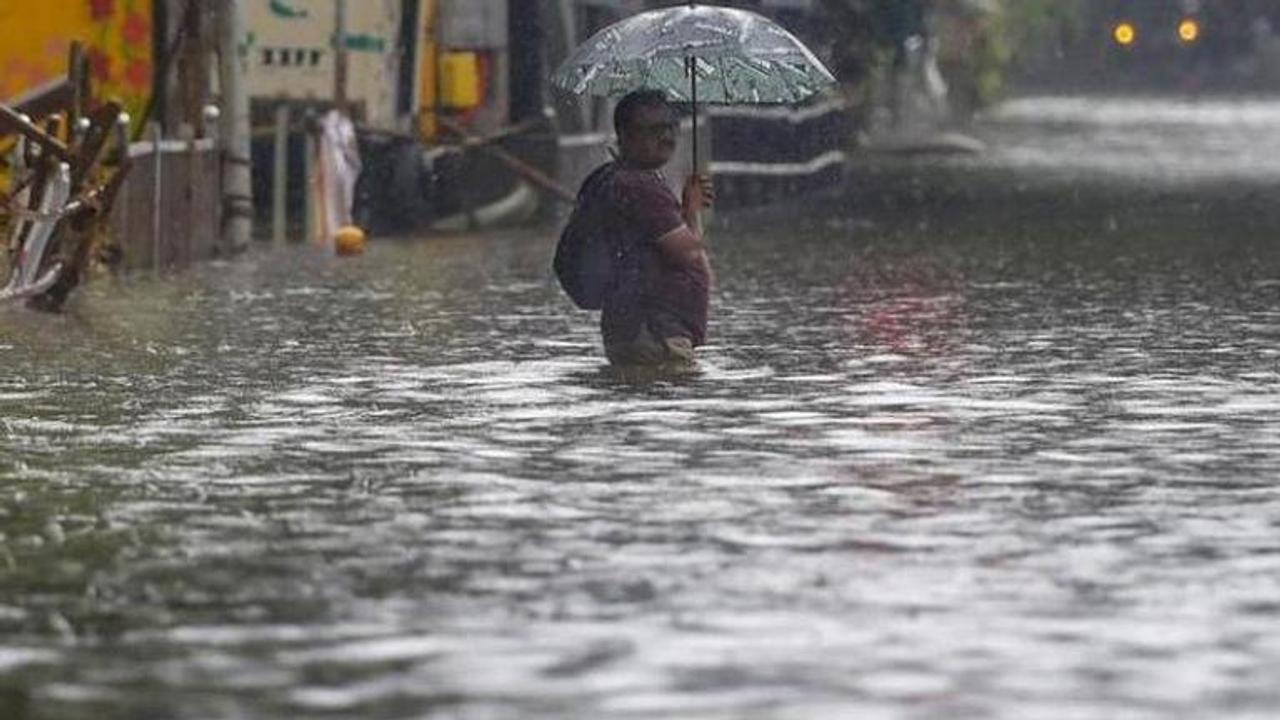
x=633 y=251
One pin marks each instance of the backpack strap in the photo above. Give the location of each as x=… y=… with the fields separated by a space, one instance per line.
x=596 y=179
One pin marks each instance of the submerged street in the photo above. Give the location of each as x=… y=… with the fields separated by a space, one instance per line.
x=979 y=437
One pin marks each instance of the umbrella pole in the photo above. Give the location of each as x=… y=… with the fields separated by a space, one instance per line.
x=693 y=75
x=692 y=64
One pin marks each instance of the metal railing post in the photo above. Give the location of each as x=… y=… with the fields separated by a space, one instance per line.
x=280 y=176
x=310 y=148
x=157 y=195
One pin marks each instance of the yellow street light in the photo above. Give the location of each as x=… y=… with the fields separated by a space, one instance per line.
x=1125 y=34
x=1189 y=30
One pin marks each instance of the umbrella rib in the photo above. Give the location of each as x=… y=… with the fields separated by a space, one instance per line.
x=725 y=90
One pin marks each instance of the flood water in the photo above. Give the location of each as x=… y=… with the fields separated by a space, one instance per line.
x=990 y=437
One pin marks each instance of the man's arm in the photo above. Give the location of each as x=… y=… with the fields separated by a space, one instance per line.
x=683 y=248
x=672 y=225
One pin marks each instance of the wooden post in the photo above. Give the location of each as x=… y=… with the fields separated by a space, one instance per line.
x=310 y=227
x=121 y=132
x=429 y=74
x=280 y=176
x=522 y=168
x=193 y=69
x=157 y=192
x=12 y=122
x=340 y=54
x=192 y=231
x=78 y=79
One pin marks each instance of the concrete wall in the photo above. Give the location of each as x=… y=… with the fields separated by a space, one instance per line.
x=291 y=53
x=477 y=23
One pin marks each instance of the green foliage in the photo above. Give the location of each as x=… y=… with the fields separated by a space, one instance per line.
x=1017 y=36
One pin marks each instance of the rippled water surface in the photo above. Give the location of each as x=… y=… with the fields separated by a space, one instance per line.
x=976 y=439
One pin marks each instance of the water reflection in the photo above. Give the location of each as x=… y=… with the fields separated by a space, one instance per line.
x=904 y=306
x=970 y=442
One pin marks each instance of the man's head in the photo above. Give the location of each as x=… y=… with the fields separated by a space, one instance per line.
x=646 y=127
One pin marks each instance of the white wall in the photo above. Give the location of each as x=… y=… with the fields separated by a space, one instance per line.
x=291 y=53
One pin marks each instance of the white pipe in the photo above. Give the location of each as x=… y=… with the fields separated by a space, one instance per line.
x=237 y=191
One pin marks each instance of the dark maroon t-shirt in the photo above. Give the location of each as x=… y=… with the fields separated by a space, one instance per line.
x=671 y=301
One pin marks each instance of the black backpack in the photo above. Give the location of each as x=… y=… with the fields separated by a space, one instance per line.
x=585 y=263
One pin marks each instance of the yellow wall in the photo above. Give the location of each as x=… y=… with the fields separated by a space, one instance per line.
x=35 y=36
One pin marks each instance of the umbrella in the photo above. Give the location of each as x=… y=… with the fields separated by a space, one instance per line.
x=696 y=53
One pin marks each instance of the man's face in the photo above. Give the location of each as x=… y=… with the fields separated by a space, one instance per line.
x=649 y=140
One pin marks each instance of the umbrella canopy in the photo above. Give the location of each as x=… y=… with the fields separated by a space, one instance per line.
x=738 y=57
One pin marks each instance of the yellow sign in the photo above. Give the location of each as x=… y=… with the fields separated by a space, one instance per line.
x=1125 y=34
x=460 y=80
x=35 y=37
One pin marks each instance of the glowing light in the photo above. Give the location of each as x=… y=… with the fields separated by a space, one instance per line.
x=1125 y=34
x=1189 y=30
